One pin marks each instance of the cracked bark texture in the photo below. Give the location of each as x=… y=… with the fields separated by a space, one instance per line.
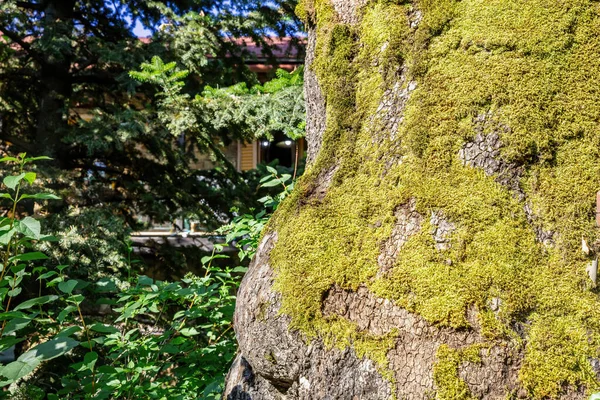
x=484 y=153
x=315 y=103
x=276 y=362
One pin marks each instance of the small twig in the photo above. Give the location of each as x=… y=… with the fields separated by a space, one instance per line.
x=221 y=335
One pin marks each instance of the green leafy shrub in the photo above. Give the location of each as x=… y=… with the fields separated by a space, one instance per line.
x=169 y=340
x=112 y=338
x=246 y=229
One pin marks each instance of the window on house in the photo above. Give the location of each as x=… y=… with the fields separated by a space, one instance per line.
x=280 y=148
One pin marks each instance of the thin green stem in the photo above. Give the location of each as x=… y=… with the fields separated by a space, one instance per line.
x=12 y=224
x=87 y=334
x=12 y=287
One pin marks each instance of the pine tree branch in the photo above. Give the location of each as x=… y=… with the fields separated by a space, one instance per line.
x=21 y=42
x=81 y=18
x=83 y=65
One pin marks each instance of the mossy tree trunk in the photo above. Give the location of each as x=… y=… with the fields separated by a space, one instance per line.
x=434 y=247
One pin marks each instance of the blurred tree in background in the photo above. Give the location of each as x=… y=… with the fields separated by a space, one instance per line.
x=65 y=92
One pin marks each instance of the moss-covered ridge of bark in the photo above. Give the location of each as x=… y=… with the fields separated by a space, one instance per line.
x=534 y=67
x=446 y=371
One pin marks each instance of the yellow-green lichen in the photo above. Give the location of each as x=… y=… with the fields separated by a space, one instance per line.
x=339 y=333
x=446 y=371
x=556 y=356
x=532 y=68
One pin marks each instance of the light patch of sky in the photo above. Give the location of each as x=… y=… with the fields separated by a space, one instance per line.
x=139 y=29
x=136 y=26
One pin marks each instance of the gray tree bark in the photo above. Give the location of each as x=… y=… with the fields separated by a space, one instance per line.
x=429 y=357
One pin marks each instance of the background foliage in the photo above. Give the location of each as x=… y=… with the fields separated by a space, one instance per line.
x=81 y=318
x=109 y=337
x=65 y=92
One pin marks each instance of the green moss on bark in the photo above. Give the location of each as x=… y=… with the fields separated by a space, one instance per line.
x=446 y=371
x=533 y=69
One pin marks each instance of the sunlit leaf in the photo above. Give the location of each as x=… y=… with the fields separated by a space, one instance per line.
x=48 y=350
x=12 y=181
x=68 y=286
x=30 y=227
x=40 y=196
x=33 y=256
x=17 y=370
x=34 y=302
x=30 y=177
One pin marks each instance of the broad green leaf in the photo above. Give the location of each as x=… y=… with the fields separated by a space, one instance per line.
x=101 y=328
x=64 y=313
x=54 y=281
x=69 y=331
x=37 y=270
x=47 y=275
x=15 y=325
x=213 y=387
x=170 y=349
x=106 y=369
x=5 y=159
x=68 y=286
x=18 y=270
x=77 y=299
x=189 y=331
x=36 y=255
x=273 y=183
x=17 y=370
x=12 y=314
x=30 y=177
x=106 y=285
x=48 y=238
x=271 y=170
x=15 y=292
x=113 y=383
x=6 y=236
x=48 y=350
x=30 y=227
x=5 y=196
x=40 y=196
x=33 y=302
x=9 y=341
x=12 y=181
x=88 y=362
x=145 y=281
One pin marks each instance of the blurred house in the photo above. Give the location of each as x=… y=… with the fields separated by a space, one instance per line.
x=286 y=55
